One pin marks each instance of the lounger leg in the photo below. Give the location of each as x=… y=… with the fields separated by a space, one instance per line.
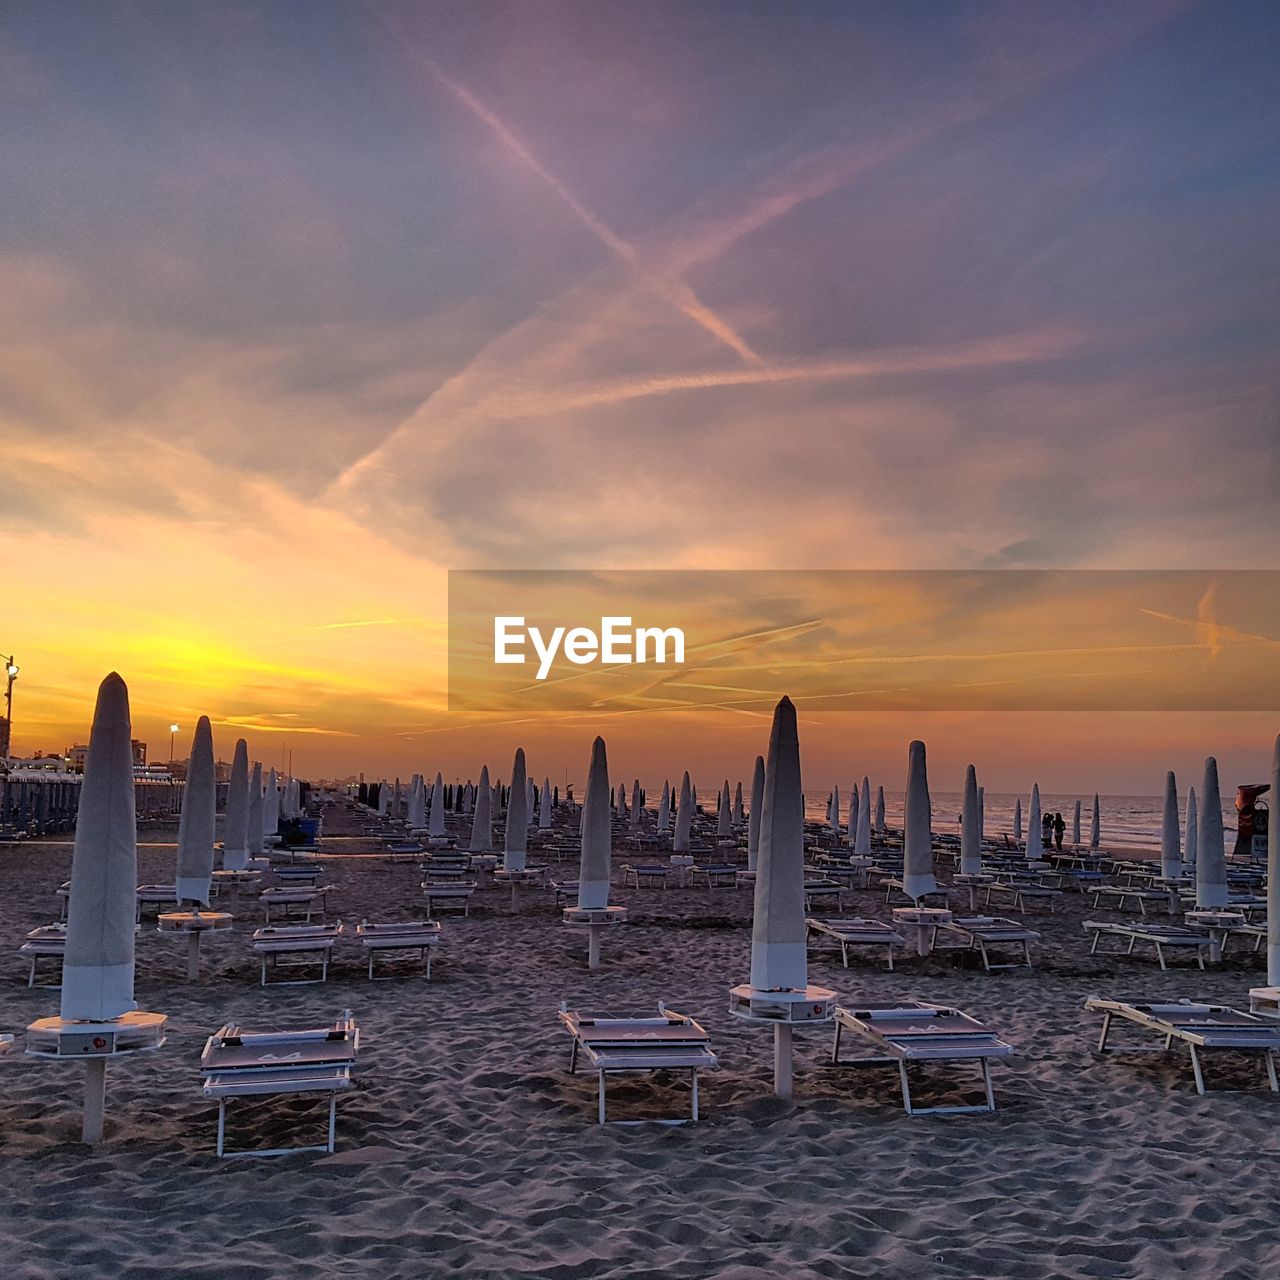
x=222 y=1124
x=1269 y=1055
x=844 y=952
x=333 y=1117
x=906 y=1086
x=427 y=950
x=1195 y=1066
x=694 y=1074
x=986 y=1080
x=1106 y=1030
x=1097 y=937
x=31 y=977
x=573 y=1058
x=600 y=1112
x=890 y=949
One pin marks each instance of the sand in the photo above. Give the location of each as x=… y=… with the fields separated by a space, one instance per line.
x=467 y=1148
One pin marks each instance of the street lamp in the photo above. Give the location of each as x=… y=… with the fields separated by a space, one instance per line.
x=11 y=671
x=173 y=733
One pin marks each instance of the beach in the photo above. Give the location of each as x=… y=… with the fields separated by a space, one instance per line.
x=466 y=1146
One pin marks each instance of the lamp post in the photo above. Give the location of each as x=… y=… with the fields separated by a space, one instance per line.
x=173 y=733
x=11 y=671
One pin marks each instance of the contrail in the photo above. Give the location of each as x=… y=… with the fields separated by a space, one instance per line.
x=673 y=290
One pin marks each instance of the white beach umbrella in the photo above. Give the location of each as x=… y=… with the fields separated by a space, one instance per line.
x=1075 y=826
x=880 y=827
x=530 y=798
x=418 y=804
x=384 y=799
x=753 y=817
x=970 y=839
x=1190 y=844
x=196 y=824
x=235 y=827
x=622 y=799
x=544 y=808
x=779 y=959
x=636 y=807
x=271 y=807
x=982 y=813
x=664 y=808
x=917 y=828
x=435 y=816
x=1273 y=874
x=724 y=819
x=1170 y=835
x=97 y=967
x=833 y=811
x=1017 y=818
x=738 y=811
x=516 y=839
x=854 y=809
x=1035 y=825
x=597 y=841
x=684 y=817
x=1211 y=852
x=862 y=842
x=1095 y=824
x=482 y=823
x=256 y=845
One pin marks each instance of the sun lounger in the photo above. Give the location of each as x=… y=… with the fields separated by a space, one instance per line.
x=298 y=873
x=854 y=931
x=636 y=874
x=1125 y=894
x=289 y=899
x=922 y=1032
x=566 y=892
x=1265 y=1000
x=299 y=945
x=1023 y=892
x=978 y=933
x=819 y=891
x=1198 y=1026
x=448 y=895
x=239 y=1062
x=401 y=936
x=48 y=941
x=668 y=1042
x=1159 y=936
x=404 y=850
x=155 y=895
x=893 y=884
x=717 y=875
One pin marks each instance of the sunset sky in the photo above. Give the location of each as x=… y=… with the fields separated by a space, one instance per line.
x=302 y=305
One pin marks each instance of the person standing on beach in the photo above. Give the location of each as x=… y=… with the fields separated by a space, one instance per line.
x=1046 y=830
x=1059 y=826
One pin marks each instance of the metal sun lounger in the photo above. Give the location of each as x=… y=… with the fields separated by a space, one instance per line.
x=668 y=1042
x=1159 y=935
x=404 y=935
x=49 y=940
x=1134 y=893
x=1023 y=892
x=977 y=933
x=854 y=931
x=240 y=1062
x=892 y=883
x=313 y=942
x=452 y=893
x=922 y=1032
x=1198 y=1026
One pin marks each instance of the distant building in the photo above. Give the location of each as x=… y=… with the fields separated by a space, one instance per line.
x=77 y=754
x=139 y=751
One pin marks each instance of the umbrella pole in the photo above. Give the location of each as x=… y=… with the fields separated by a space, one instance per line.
x=782 y=1060
x=95 y=1099
x=593 y=946
x=193 y=955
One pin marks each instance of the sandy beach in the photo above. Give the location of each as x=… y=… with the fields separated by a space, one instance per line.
x=466 y=1147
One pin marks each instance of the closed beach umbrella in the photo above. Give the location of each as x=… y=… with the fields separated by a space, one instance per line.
x=1273 y=875
x=1190 y=844
x=235 y=829
x=738 y=813
x=880 y=827
x=1035 y=828
x=1170 y=835
x=684 y=817
x=664 y=807
x=516 y=839
x=271 y=806
x=982 y=813
x=435 y=818
x=1211 y=852
x=482 y=822
x=724 y=818
x=833 y=812
x=196 y=824
x=1095 y=824
x=636 y=806
x=854 y=810
x=917 y=828
x=1075 y=826
x=544 y=807
x=256 y=845
x=753 y=818
x=779 y=959
x=1017 y=818
x=597 y=841
x=862 y=842
x=418 y=804
x=622 y=799
x=970 y=840
x=97 y=968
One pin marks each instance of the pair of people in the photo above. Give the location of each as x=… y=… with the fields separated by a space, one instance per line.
x=1053 y=826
